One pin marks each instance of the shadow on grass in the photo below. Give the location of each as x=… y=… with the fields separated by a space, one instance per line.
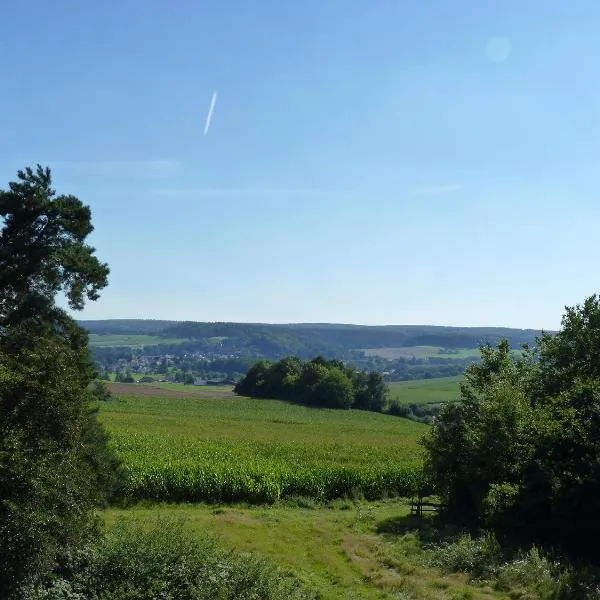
x=432 y=529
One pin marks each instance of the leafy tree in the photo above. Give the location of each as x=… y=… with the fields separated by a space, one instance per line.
x=51 y=463
x=333 y=390
x=371 y=391
x=311 y=375
x=128 y=378
x=100 y=391
x=520 y=449
x=283 y=378
x=255 y=383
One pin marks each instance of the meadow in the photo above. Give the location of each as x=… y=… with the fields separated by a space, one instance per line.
x=426 y=391
x=422 y=352
x=239 y=449
x=346 y=549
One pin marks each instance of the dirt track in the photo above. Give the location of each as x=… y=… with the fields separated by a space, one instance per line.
x=144 y=389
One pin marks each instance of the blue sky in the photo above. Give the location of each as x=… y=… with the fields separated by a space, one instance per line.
x=367 y=162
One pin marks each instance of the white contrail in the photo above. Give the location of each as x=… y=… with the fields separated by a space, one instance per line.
x=210 y=112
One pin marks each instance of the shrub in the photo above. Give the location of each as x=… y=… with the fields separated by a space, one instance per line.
x=480 y=557
x=398 y=409
x=165 y=563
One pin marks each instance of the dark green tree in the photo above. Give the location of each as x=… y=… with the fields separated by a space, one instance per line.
x=334 y=390
x=51 y=468
x=371 y=391
x=43 y=251
x=520 y=449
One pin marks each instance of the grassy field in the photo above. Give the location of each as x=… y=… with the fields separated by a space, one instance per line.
x=422 y=352
x=344 y=549
x=287 y=481
x=192 y=448
x=425 y=391
x=113 y=340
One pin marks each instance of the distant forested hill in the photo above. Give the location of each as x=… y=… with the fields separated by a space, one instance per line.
x=306 y=339
x=126 y=326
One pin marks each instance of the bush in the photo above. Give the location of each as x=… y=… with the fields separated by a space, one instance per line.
x=398 y=409
x=100 y=391
x=480 y=557
x=165 y=563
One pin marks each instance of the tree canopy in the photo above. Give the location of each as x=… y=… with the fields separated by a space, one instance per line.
x=520 y=449
x=43 y=250
x=318 y=382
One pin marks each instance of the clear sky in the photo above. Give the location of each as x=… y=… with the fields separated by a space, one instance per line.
x=384 y=162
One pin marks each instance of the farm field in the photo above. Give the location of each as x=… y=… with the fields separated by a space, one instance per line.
x=426 y=391
x=114 y=340
x=170 y=390
x=192 y=448
x=343 y=549
x=422 y=352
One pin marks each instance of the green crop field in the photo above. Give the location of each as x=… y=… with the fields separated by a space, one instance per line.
x=426 y=391
x=114 y=340
x=240 y=449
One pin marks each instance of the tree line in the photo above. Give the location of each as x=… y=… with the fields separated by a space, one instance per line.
x=318 y=382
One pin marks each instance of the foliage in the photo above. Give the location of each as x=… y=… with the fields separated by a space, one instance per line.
x=43 y=250
x=479 y=557
x=520 y=448
x=523 y=575
x=100 y=391
x=318 y=382
x=44 y=502
x=398 y=409
x=166 y=562
x=52 y=469
x=240 y=449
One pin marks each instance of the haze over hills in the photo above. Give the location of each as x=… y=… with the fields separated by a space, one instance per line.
x=213 y=350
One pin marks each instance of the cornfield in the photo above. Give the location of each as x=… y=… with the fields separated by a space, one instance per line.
x=238 y=450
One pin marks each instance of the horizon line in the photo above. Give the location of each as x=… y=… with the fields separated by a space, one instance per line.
x=317 y=323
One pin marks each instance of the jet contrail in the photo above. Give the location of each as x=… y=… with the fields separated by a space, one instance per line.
x=210 y=112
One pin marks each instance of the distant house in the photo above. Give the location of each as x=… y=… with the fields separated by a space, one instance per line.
x=200 y=381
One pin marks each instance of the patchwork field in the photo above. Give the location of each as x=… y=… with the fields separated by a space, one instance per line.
x=238 y=449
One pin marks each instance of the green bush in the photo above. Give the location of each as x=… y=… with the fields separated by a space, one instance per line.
x=165 y=563
x=398 y=409
x=480 y=557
